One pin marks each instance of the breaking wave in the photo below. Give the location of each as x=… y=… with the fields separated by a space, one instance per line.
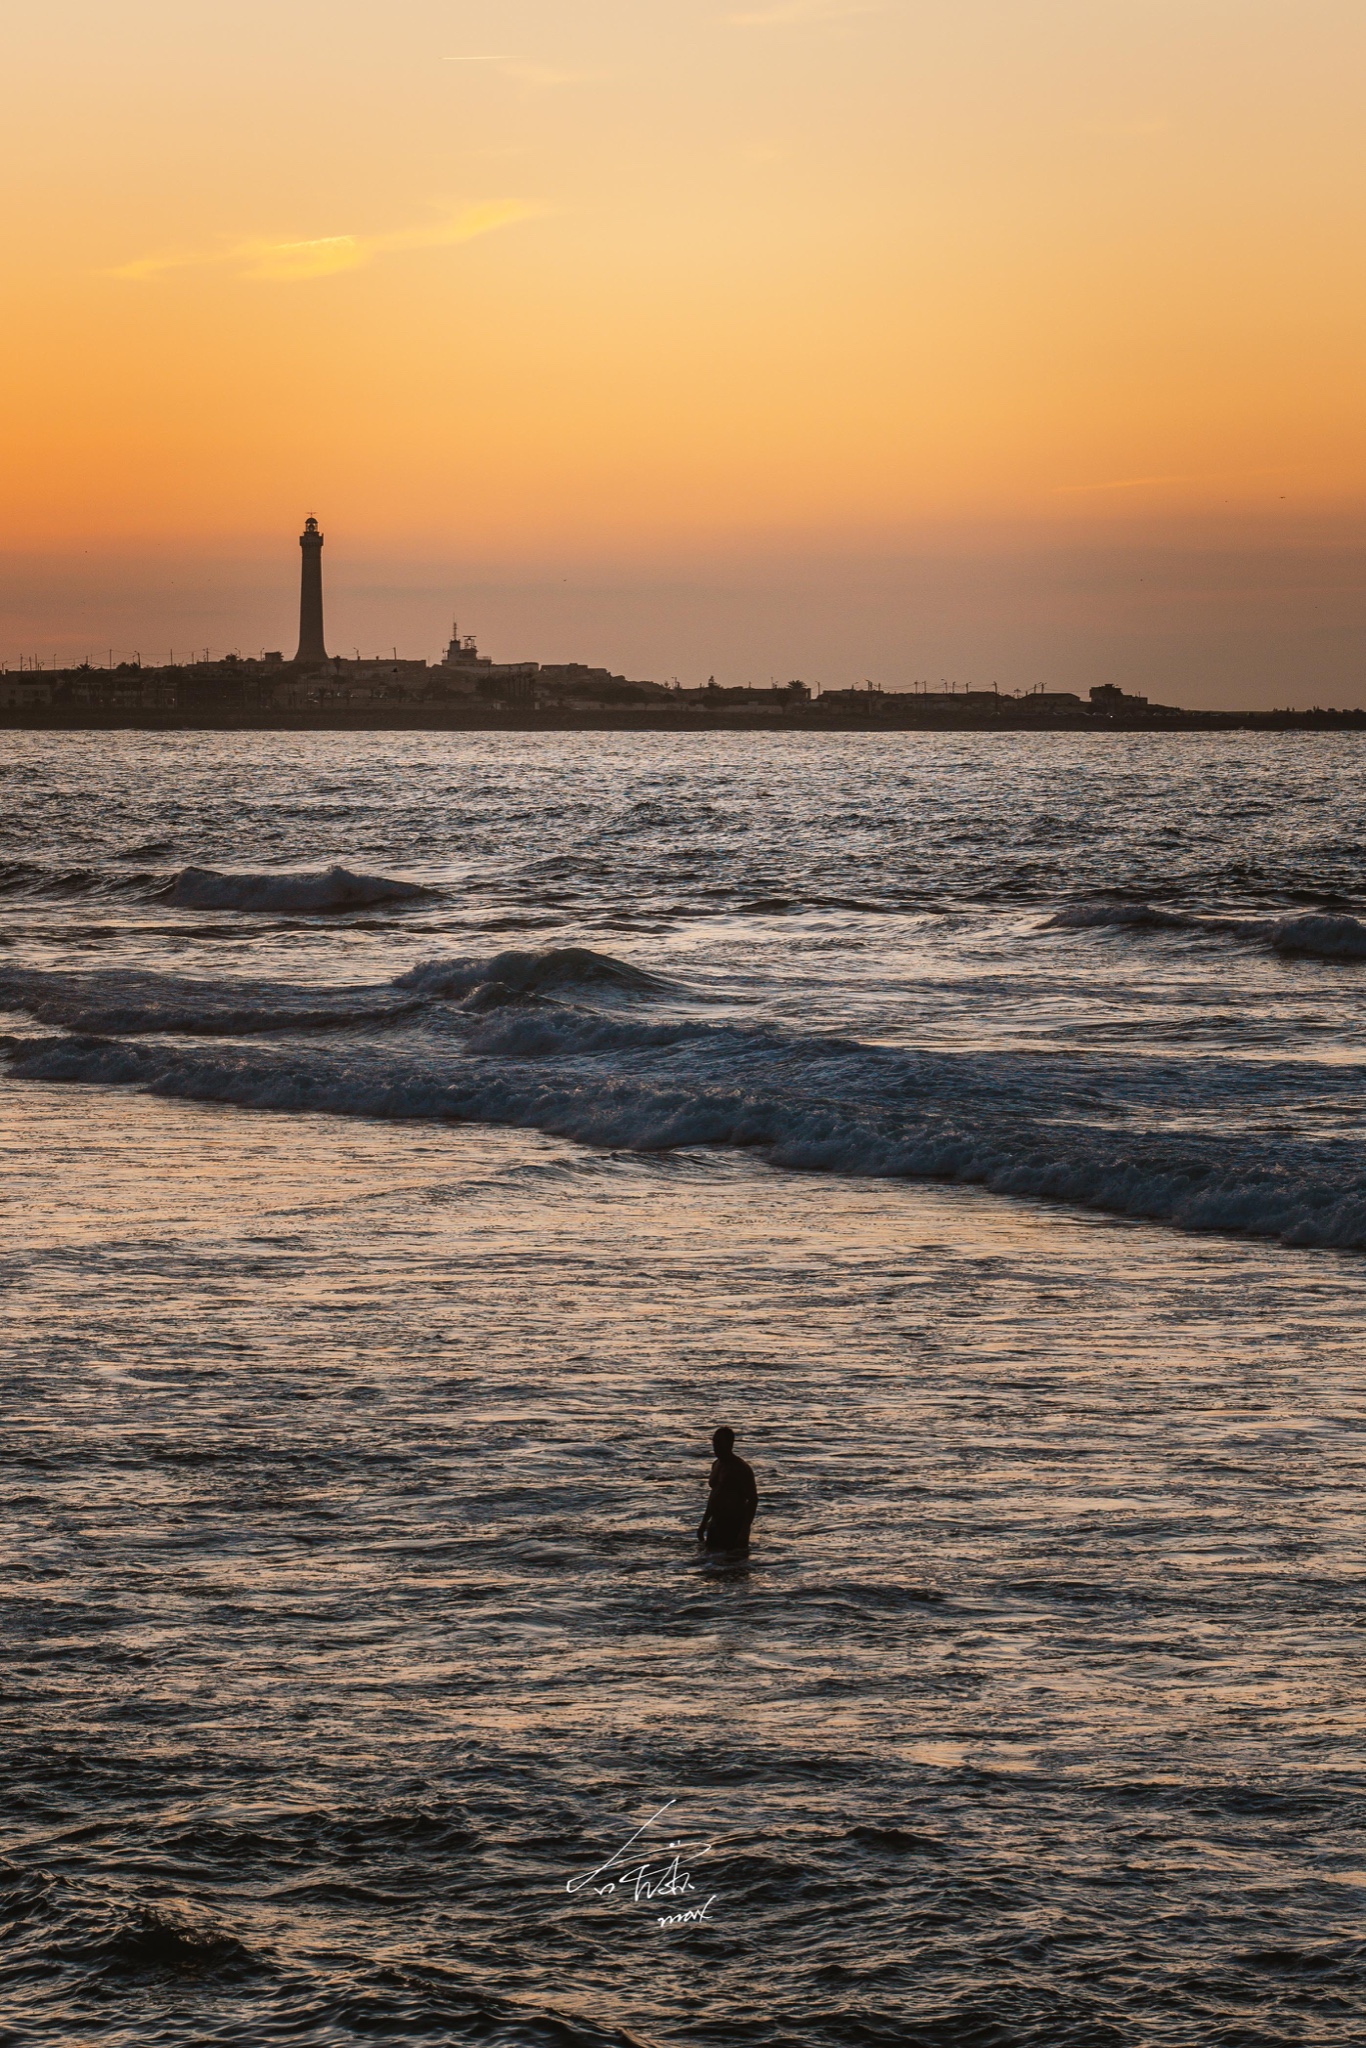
x=1327 y=938
x=1199 y=1146
x=125 y=1001
x=526 y=972
x=1317 y=934
x=335 y=888
x=1126 y=916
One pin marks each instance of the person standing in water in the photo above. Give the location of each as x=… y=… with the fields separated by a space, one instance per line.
x=731 y=1501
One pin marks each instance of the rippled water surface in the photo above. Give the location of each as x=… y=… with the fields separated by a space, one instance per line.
x=414 y=1145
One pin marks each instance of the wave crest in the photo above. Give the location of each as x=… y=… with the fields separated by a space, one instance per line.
x=812 y=1105
x=334 y=888
x=523 y=973
x=1326 y=938
x=31 y=878
x=127 y=1002
x=154 y=1941
x=1131 y=916
x=1316 y=934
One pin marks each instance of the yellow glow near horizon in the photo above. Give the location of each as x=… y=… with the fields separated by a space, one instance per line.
x=623 y=277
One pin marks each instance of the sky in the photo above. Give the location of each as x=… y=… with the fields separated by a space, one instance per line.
x=1006 y=341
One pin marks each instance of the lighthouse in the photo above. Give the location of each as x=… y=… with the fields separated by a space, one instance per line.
x=311 y=646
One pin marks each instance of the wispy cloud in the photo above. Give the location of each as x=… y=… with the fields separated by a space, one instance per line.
x=786 y=13
x=325 y=255
x=1125 y=483
x=1222 y=477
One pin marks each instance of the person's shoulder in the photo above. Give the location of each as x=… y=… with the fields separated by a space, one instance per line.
x=745 y=1467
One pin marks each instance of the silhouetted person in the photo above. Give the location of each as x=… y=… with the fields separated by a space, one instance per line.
x=731 y=1501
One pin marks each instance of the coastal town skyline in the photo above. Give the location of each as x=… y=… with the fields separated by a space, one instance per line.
x=584 y=619
x=467 y=689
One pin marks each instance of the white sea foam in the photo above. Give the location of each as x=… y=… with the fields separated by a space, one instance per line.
x=334 y=888
x=1131 y=1137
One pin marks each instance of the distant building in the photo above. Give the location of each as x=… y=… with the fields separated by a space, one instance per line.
x=23 y=693
x=1051 y=700
x=468 y=672
x=1106 y=697
x=554 y=685
x=775 y=697
x=870 y=699
x=574 y=685
x=339 y=683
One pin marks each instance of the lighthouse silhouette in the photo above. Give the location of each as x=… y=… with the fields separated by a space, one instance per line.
x=312 y=647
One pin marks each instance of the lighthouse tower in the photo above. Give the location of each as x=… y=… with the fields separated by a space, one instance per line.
x=312 y=648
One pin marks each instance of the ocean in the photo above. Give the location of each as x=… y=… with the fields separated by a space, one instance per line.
x=415 y=1145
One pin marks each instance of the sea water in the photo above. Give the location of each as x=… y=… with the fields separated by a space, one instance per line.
x=415 y=1145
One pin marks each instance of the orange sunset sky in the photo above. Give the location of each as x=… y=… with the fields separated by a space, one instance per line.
x=1010 y=340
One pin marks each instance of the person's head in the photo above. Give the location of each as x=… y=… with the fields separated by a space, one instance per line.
x=723 y=1442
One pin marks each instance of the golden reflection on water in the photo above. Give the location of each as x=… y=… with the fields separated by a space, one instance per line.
x=376 y=1449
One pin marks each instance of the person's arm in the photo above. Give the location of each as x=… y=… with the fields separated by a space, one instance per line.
x=705 y=1522
x=751 y=1496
